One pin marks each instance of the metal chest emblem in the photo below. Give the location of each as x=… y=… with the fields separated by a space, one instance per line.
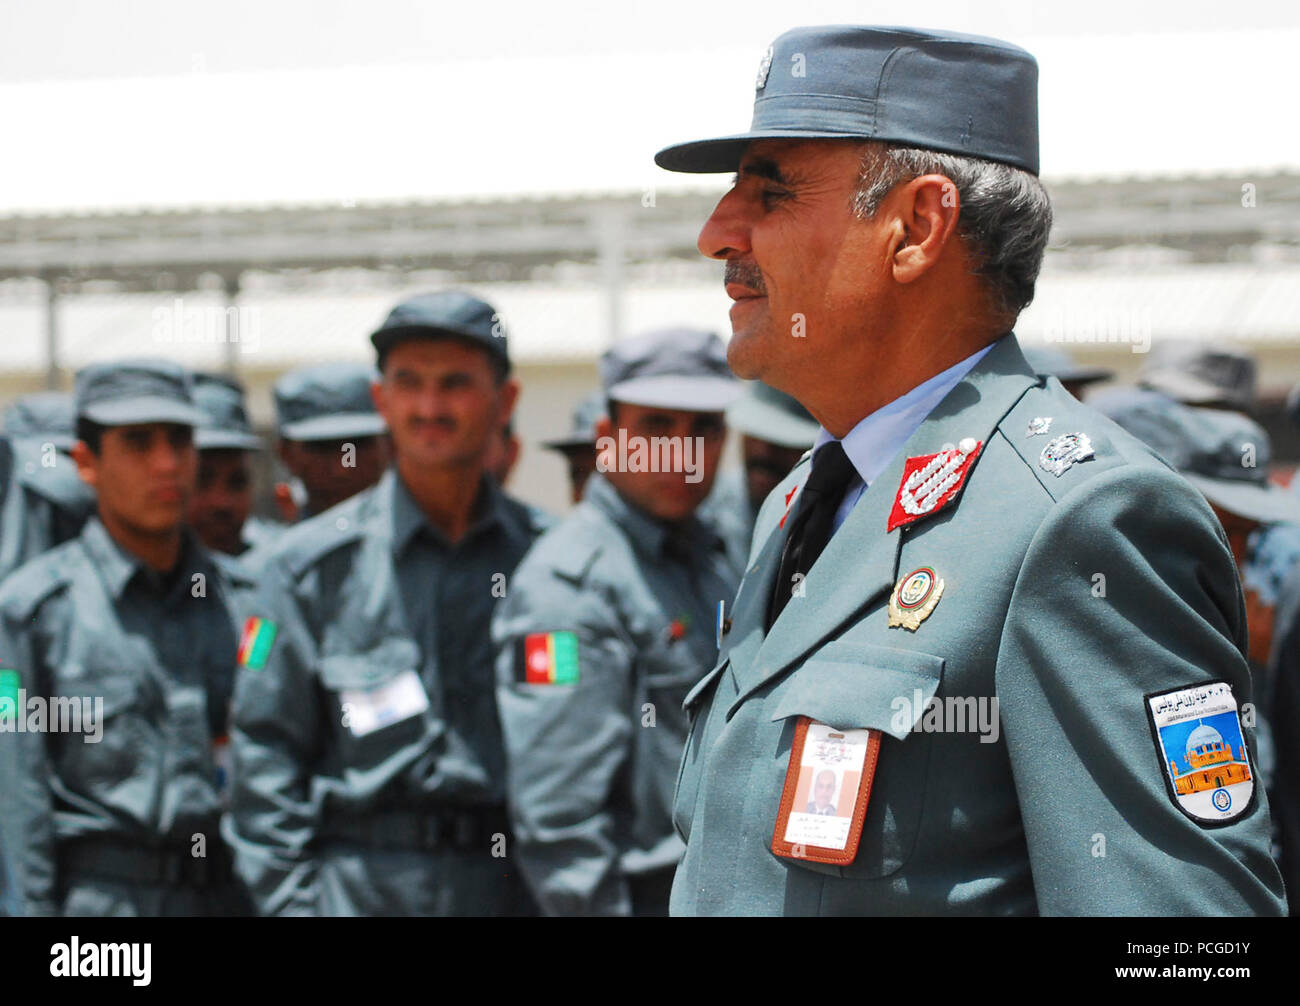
x=914 y=597
x=764 y=67
x=1065 y=451
x=1039 y=425
x=932 y=481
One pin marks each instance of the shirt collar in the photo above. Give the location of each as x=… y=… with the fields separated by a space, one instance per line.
x=118 y=566
x=872 y=444
x=654 y=538
x=408 y=519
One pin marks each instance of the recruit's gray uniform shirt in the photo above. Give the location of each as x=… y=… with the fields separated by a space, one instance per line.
x=326 y=821
x=89 y=619
x=592 y=764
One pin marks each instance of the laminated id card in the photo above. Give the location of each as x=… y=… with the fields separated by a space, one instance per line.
x=827 y=786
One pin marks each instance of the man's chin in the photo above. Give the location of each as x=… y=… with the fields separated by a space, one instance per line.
x=742 y=356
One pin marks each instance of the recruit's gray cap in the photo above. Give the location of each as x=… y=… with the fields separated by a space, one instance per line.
x=225 y=424
x=1200 y=375
x=939 y=90
x=1059 y=364
x=671 y=368
x=445 y=314
x=327 y=401
x=1224 y=454
x=136 y=391
x=43 y=415
x=767 y=414
x=582 y=428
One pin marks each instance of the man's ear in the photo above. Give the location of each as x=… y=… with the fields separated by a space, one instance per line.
x=929 y=207
x=86 y=462
x=379 y=395
x=509 y=398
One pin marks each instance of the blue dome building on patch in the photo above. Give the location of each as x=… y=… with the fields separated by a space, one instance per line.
x=1211 y=763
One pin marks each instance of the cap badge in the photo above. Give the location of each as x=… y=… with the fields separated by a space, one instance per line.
x=932 y=481
x=764 y=67
x=914 y=597
x=1065 y=451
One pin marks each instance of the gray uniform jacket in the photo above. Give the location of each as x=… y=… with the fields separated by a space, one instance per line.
x=1069 y=598
x=592 y=763
x=139 y=671
x=43 y=501
x=368 y=765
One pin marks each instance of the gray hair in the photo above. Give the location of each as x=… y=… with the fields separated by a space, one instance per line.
x=1005 y=212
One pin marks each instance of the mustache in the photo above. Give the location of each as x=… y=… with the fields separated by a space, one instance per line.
x=745 y=274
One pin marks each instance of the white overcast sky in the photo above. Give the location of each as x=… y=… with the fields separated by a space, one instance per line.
x=113 y=104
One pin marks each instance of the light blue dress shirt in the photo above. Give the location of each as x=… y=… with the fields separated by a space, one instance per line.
x=872 y=444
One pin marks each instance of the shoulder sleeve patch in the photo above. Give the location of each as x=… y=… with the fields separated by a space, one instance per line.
x=255 y=643
x=547 y=658
x=1206 y=765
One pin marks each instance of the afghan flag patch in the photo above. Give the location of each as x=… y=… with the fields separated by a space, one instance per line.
x=548 y=658
x=255 y=643
x=9 y=684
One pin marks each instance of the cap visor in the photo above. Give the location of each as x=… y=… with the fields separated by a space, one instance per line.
x=1266 y=504
x=765 y=422
x=1185 y=388
x=569 y=443
x=147 y=409
x=215 y=440
x=722 y=154
x=676 y=391
x=335 y=427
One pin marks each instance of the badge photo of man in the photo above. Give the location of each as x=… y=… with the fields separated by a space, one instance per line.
x=1010 y=593
x=823 y=801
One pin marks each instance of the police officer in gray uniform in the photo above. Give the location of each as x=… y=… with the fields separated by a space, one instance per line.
x=608 y=624
x=1011 y=633
x=220 y=511
x=119 y=650
x=369 y=769
x=331 y=439
x=775 y=431
x=42 y=501
x=578 y=446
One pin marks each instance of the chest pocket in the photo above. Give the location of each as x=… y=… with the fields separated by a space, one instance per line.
x=376 y=702
x=687 y=789
x=849 y=685
x=122 y=710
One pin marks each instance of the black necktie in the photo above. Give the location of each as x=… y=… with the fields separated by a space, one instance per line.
x=820 y=497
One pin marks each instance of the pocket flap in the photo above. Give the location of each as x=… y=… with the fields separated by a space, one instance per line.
x=363 y=671
x=850 y=685
x=701 y=686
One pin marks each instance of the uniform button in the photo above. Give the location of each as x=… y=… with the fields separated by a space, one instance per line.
x=341 y=523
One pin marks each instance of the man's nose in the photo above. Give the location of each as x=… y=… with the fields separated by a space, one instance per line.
x=726 y=233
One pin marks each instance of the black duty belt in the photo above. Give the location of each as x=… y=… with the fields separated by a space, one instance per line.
x=447 y=828
x=171 y=866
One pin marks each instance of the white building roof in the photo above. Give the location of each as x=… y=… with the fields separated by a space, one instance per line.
x=1140 y=105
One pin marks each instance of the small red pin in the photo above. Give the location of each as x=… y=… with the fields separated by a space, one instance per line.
x=788 y=497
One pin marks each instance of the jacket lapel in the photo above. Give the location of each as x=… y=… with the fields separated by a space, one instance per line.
x=860 y=563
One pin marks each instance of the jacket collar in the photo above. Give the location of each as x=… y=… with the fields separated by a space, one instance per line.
x=861 y=561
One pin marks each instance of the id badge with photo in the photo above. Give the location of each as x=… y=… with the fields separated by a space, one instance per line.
x=827 y=786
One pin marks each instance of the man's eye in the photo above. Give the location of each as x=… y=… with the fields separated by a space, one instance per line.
x=771 y=197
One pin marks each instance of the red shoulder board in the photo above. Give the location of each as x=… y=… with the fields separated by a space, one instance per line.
x=932 y=481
